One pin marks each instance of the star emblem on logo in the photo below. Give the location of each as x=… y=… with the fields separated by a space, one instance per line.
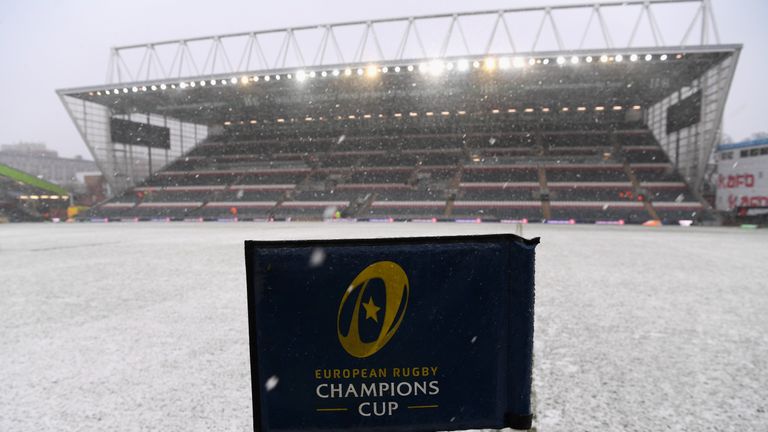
x=371 y=310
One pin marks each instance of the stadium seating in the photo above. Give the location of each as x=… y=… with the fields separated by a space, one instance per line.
x=499 y=173
x=588 y=175
x=630 y=212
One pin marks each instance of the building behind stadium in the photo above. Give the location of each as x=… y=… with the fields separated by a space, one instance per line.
x=742 y=180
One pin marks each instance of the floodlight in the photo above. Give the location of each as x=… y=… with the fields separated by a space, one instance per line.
x=436 y=67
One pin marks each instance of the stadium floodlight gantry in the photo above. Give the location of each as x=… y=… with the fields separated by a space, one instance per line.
x=514 y=71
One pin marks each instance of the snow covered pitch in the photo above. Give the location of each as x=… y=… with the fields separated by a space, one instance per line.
x=134 y=327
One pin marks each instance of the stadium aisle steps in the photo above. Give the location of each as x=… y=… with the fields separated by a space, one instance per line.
x=636 y=187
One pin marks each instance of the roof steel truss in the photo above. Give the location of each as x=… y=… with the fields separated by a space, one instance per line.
x=424 y=37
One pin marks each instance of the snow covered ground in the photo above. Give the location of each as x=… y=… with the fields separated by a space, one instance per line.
x=133 y=327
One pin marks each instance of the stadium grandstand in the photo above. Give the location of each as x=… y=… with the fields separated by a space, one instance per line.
x=446 y=117
x=26 y=198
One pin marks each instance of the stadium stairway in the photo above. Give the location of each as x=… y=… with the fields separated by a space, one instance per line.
x=544 y=191
x=636 y=187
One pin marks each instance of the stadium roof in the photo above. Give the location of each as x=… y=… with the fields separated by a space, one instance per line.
x=743 y=144
x=30 y=180
x=585 y=78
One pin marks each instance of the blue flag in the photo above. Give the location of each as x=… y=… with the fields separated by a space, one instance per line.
x=416 y=334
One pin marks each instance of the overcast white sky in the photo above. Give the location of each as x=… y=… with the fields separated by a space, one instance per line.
x=49 y=44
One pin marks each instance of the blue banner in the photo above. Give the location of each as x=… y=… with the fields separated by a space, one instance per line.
x=418 y=334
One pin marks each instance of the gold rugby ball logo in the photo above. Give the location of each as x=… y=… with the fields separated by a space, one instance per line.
x=396 y=291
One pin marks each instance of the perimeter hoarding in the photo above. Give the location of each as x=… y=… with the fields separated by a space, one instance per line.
x=416 y=334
